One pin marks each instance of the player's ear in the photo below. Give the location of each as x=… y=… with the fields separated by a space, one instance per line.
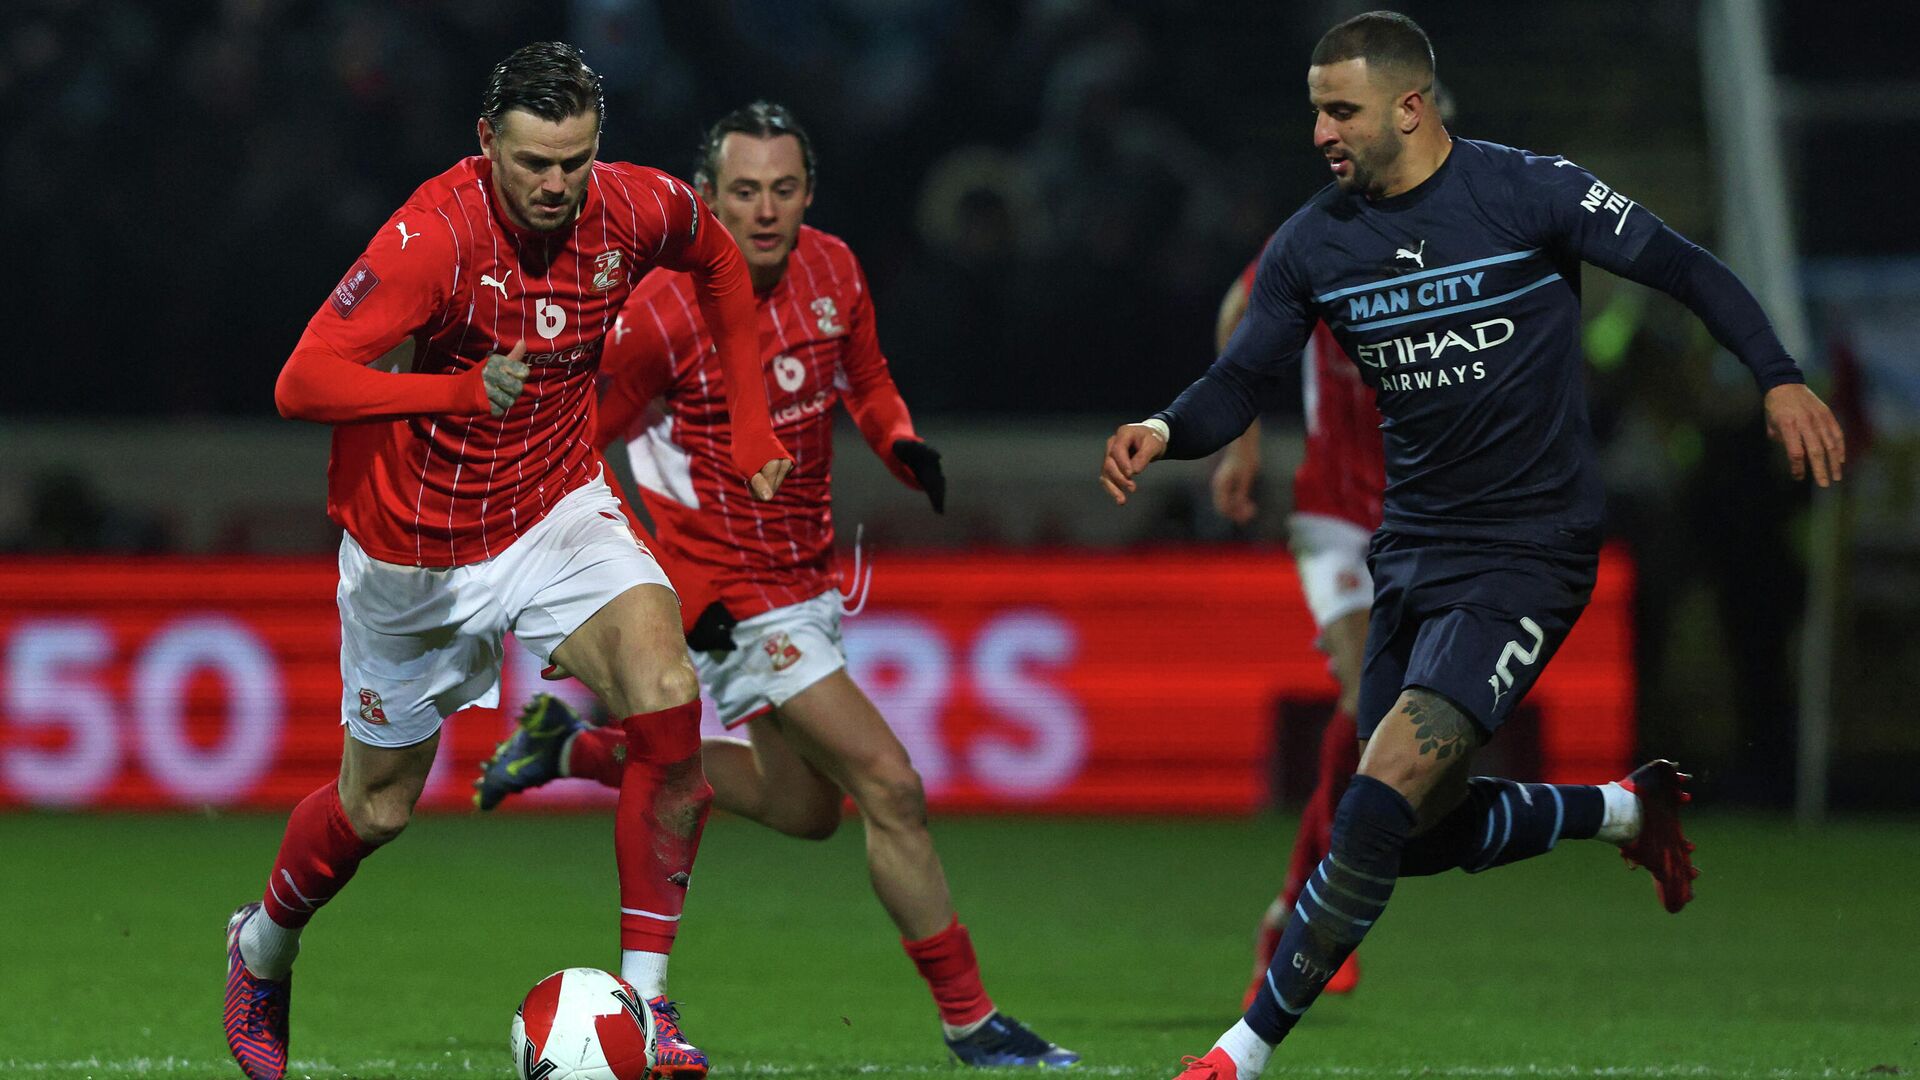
x=483 y=131
x=1412 y=111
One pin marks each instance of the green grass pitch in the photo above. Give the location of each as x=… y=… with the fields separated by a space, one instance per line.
x=1124 y=940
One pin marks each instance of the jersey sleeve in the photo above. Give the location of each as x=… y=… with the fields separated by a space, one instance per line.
x=1563 y=206
x=1260 y=360
x=871 y=396
x=636 y=366
x=398 y=286
x=1567 y=205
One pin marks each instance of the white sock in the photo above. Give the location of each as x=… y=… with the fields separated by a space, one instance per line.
x=964 y=1030
x=1620 y=823
x=266 y=947
x=566 y=748
x=1248 y=1050
x=645 y=971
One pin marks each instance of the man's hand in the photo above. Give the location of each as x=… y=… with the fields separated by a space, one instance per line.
x=767 y=481
x=504 y=377
x=713 y=631
x=1798 y=420
x=1234 y=476
x=923 y=461
x=1131 y=449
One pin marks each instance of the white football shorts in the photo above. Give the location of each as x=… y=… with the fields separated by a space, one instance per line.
x=777 y=654
x=419 y=644
x=1331 y=556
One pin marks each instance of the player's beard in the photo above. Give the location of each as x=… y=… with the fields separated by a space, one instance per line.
x=1370 y=168
x=544 y=223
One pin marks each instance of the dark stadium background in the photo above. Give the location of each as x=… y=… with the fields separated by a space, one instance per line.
x=1115 y=712
x=1049 y=197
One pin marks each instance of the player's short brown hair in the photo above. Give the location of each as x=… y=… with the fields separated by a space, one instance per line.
x=549 y=79
x=762 y=120
x=1387 y=40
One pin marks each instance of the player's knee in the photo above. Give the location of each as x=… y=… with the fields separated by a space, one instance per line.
x=820 y=823
x=662 y=683
x=378 y=816
x=677 y=684
x=895 y=796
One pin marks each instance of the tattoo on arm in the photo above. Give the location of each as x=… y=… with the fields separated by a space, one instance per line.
x=1442 y=729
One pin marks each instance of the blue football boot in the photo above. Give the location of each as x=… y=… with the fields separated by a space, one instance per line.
x=1001 y=1041
x=531 y=755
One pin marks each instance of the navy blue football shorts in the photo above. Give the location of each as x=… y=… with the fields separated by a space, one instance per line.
x=1474 y=621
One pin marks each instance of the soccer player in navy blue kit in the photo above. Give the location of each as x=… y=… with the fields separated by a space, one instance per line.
x=1449 y=270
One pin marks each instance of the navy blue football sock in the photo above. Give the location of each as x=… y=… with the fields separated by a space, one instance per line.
x=1501 y=821
x=1341 y=901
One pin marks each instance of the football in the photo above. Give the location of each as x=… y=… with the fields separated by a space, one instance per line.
x=582 y=1024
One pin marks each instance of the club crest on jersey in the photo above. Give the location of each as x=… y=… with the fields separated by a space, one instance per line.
x=607 y=270
x=781 y=651
x=353 y=288
x=370 y=707
x=829 y=315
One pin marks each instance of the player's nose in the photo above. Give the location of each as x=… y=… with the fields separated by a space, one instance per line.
x=1324 y=134
x=764 y=209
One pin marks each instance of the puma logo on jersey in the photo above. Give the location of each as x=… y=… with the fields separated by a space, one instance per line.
x=404 y=234
x=1418 y=255
x=501 y=283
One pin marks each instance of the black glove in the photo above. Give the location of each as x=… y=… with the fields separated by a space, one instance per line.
x=923 y=461
x=713 y=630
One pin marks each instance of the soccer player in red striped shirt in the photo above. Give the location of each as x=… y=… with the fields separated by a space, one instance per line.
x=1336 y=507
x=814 y=737
x=457 y=361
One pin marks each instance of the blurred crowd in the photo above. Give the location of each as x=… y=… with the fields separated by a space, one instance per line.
x=1044 y=191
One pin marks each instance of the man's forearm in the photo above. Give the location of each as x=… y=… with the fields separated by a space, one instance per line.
x=320 y=386
x=1209 y=414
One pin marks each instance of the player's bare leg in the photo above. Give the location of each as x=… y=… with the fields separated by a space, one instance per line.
x=632 y=654
x=838 y=731
x=765 y=780
x=327 y=836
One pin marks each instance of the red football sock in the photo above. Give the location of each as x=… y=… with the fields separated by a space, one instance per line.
x=598 y=754
x=952 y=972
x=1339 y=757
x=1309 y=845
x=664 y=798
x=318 y=856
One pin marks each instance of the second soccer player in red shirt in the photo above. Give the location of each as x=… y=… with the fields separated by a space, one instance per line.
x=813 y=735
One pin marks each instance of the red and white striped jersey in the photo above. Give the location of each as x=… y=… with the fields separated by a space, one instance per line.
x=1344 y=471
x=819 y=348
x=450 y=272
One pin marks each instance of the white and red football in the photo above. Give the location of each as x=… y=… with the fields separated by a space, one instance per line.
x=583 y=1024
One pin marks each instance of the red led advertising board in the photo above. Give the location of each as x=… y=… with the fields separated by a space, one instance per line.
x=1149 y=681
